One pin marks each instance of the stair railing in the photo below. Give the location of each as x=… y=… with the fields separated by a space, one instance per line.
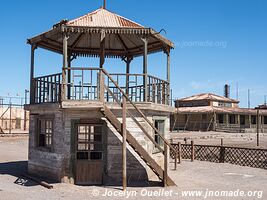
x=166 y=143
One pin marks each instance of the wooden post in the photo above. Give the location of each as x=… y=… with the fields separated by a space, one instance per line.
x=10 y=117
x=258 y=127
x=168 y=76
x=214 y=121
x=185 y=140
x=128 y=62
x=221 y=141
x=25 y=112
x=192 y=151
x=222 y=154
x=145 y=69
x=180 y=152
x=101 y=86
x=124 y=150
x=102 y=48
x=65 y=65
x=165 y=173
x=32 y=83
x=69 y=77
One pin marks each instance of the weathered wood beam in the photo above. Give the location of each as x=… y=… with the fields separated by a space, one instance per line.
x=145 y=69
x=65 y=65
x=168 y=75
x=76 y=42
x=102 y=48
x=32 y=82
x=122 y=43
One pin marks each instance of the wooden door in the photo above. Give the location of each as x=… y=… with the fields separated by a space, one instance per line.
x=89 y=154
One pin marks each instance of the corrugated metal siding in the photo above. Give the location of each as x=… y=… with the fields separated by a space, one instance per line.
x=103 y=18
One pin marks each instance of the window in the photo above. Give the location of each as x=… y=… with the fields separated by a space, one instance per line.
x=160 y=125
x=18 y=123
x=220 y=118
x=45 y=131
x=89 y=145
x=223 y=104
x=264 y=119
x=253 y=119
x=232 y=119
x=242 y=119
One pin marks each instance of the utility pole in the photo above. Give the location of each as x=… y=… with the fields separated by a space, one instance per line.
x=105 y=4
x=258 y=127
x=25 y=113
x=248 y=98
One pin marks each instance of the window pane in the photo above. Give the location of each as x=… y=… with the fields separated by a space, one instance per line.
x=82 y=155
x=41 y=140
x=95 y=155
x=98 y=138
x=97 y=129
x=82 y=146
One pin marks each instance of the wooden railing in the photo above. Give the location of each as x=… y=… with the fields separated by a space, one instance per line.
x=136 y=109
x=250 y=157
x=47 y=89
x=83 y=84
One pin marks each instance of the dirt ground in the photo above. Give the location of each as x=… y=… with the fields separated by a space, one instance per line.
x=196 y=177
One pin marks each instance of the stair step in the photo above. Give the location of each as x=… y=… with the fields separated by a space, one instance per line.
x=144 y=155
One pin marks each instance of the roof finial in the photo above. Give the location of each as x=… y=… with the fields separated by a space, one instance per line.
x=105 y=4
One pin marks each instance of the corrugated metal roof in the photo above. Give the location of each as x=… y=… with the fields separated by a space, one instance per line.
x=103 y=18
x=212 y=109
x=208 y=96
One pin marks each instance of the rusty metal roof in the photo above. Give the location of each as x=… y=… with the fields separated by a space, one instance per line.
x=212 y=109
x=103 y=18
x=208 y=96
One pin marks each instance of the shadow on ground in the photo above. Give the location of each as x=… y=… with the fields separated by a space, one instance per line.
x=18 y=169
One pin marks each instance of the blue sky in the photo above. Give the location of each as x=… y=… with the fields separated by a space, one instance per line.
x=217 y=42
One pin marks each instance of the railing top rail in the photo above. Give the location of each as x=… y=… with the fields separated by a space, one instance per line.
x=157 y=78
x=57 y=74
x=137 y=109
x=224 y=146
x=122 y=74
x=82 y=68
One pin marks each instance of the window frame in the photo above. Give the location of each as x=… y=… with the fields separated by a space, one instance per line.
x=88 y=141
x=156 y=150
x=39 y=120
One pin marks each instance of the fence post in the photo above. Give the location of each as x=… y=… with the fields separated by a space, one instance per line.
x=179 y=152
x=192 y=151
x=185 y=140
x=222 y=154
x=221 y=141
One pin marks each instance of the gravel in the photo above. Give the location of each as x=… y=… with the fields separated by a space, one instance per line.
x=190 y=176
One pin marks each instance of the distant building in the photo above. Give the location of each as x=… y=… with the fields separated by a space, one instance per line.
x=207 y=112
x=14 y=120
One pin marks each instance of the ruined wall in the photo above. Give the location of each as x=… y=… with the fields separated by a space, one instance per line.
x=17 y=121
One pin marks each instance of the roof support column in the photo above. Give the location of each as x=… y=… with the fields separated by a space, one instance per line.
x=32 y=82
x=168 y=76
x=102 y=48
x=65 y=65
x=128 y=61
x=101 y=81
x=145 y=70
x=69 y=77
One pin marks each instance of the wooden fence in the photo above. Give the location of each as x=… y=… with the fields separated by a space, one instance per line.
x=250 y=157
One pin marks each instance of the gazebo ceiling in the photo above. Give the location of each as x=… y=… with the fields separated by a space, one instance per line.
x=123 y=37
